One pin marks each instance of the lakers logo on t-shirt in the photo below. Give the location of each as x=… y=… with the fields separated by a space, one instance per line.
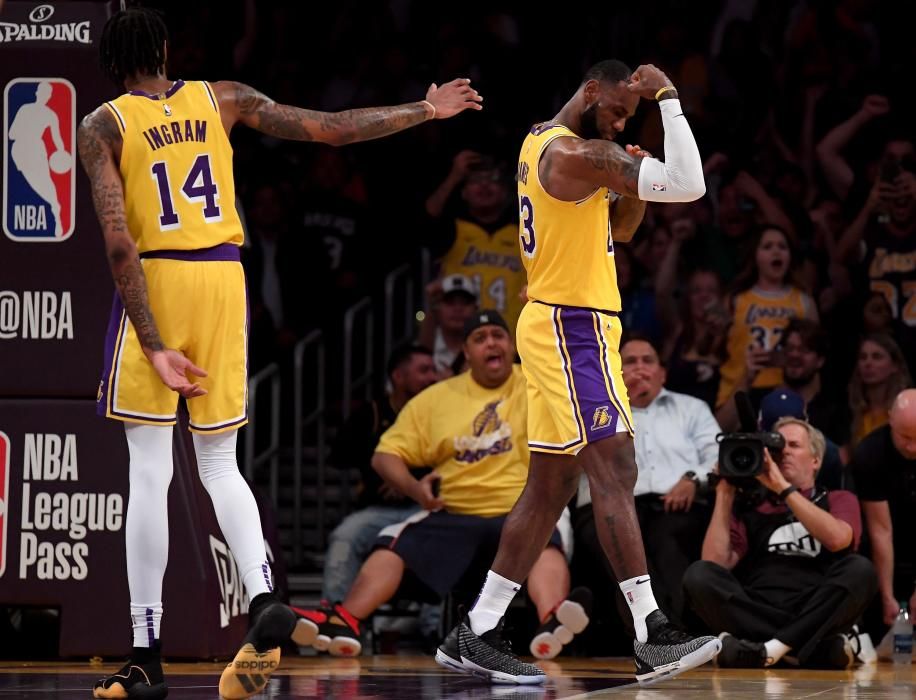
x=488 y=419
x=492 y=436
x=601 y=419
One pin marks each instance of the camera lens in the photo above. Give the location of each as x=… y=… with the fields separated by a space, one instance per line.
x=743 y=460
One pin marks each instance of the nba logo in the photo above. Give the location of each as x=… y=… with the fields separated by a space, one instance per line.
x=39 y=139
x=4 y=496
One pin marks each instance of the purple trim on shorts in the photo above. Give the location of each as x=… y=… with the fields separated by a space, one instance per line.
x=176 y=86
x=610 y=377
x=595 y=402
x=224 y=252
x=114 y=336
x=111 y=343
x=151 y=634
x=554 y=448
x=220 y=426
x=569 y=378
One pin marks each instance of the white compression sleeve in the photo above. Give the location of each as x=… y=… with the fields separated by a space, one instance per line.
x=146 y=527
x=236 y=509
x=680 y=177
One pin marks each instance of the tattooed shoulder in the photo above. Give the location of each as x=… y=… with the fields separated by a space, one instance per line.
x=247 y=99
x=97 y=139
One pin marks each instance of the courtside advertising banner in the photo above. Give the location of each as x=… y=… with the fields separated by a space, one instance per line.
x=64 y=475
x=55 y=287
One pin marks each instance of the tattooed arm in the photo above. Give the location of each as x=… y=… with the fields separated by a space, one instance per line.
x=241 y=103
x=581 y=165
x=99 y=142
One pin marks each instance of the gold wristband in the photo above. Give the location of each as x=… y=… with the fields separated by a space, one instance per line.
x=432 y=106
x=663 y=91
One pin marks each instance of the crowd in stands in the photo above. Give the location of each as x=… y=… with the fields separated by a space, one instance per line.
x=793 y=280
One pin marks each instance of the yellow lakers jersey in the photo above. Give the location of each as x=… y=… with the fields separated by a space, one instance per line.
x=759 y=319
x=474 y=437
x=566 y=247
x=176 y=163
x=492 y=261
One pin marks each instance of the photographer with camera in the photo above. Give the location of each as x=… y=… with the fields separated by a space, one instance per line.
x=781 y=576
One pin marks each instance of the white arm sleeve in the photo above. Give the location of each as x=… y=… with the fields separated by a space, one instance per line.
x=680 y=177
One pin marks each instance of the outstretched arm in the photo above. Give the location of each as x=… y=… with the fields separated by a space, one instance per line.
x=836 y=169
x=97 y=140
x=241 y=103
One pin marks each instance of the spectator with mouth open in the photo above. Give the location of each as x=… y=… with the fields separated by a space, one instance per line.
x=765 y=302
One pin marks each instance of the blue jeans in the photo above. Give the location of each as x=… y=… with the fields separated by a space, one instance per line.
x=352 y=541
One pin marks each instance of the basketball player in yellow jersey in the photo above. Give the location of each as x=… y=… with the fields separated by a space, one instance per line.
x=578 y=193
x=160 y=166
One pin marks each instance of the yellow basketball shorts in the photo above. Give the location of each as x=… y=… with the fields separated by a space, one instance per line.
x=571 y=359
x=199 y=301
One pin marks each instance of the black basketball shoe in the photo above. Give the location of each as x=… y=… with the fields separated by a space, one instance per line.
x=741 y=653
x=488 y=656
x=272 y=623
x=140 y=677
x=568 y=619
x=668 y=651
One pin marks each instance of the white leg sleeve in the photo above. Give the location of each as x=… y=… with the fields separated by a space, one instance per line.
x=236 y=510
x=680 y=177
x=146 y=527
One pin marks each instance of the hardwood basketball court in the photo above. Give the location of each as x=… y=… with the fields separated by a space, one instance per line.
x=419 y=678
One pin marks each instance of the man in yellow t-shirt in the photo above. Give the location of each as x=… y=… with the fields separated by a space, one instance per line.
x=472 y=430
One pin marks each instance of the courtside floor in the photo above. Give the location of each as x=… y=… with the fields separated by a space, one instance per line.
x=419 y=678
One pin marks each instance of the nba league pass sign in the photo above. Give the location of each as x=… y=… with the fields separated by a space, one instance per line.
x=39 y=138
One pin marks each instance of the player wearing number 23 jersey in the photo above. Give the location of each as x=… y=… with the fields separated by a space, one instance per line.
x=569 y=333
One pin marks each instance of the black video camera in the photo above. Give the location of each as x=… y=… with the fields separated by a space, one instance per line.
x=741 y=453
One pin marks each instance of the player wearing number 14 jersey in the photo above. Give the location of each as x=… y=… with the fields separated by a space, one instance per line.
x=160 y=165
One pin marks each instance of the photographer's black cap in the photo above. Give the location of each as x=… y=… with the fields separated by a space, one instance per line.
x=485 y=317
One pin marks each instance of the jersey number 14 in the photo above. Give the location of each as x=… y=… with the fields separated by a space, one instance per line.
x=198 y=188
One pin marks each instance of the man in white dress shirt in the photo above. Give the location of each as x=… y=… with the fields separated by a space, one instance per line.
x=675 y=450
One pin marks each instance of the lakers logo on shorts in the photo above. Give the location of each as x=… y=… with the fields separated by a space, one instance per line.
x=601 y=419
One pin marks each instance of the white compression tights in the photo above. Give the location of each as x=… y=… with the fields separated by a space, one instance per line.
x=236 y=510
x=147 y=528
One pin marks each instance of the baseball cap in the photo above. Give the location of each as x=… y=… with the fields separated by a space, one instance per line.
x=486 y=317
x=459 y=283
x=781 y=403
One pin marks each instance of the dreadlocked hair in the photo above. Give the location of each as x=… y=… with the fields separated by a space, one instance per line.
x=133 y=43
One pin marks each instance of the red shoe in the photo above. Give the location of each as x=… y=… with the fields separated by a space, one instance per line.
x=328 y=628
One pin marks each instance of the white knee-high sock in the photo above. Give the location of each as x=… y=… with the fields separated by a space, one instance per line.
x=492 y=602
x=236 y=510
x=146 y=526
